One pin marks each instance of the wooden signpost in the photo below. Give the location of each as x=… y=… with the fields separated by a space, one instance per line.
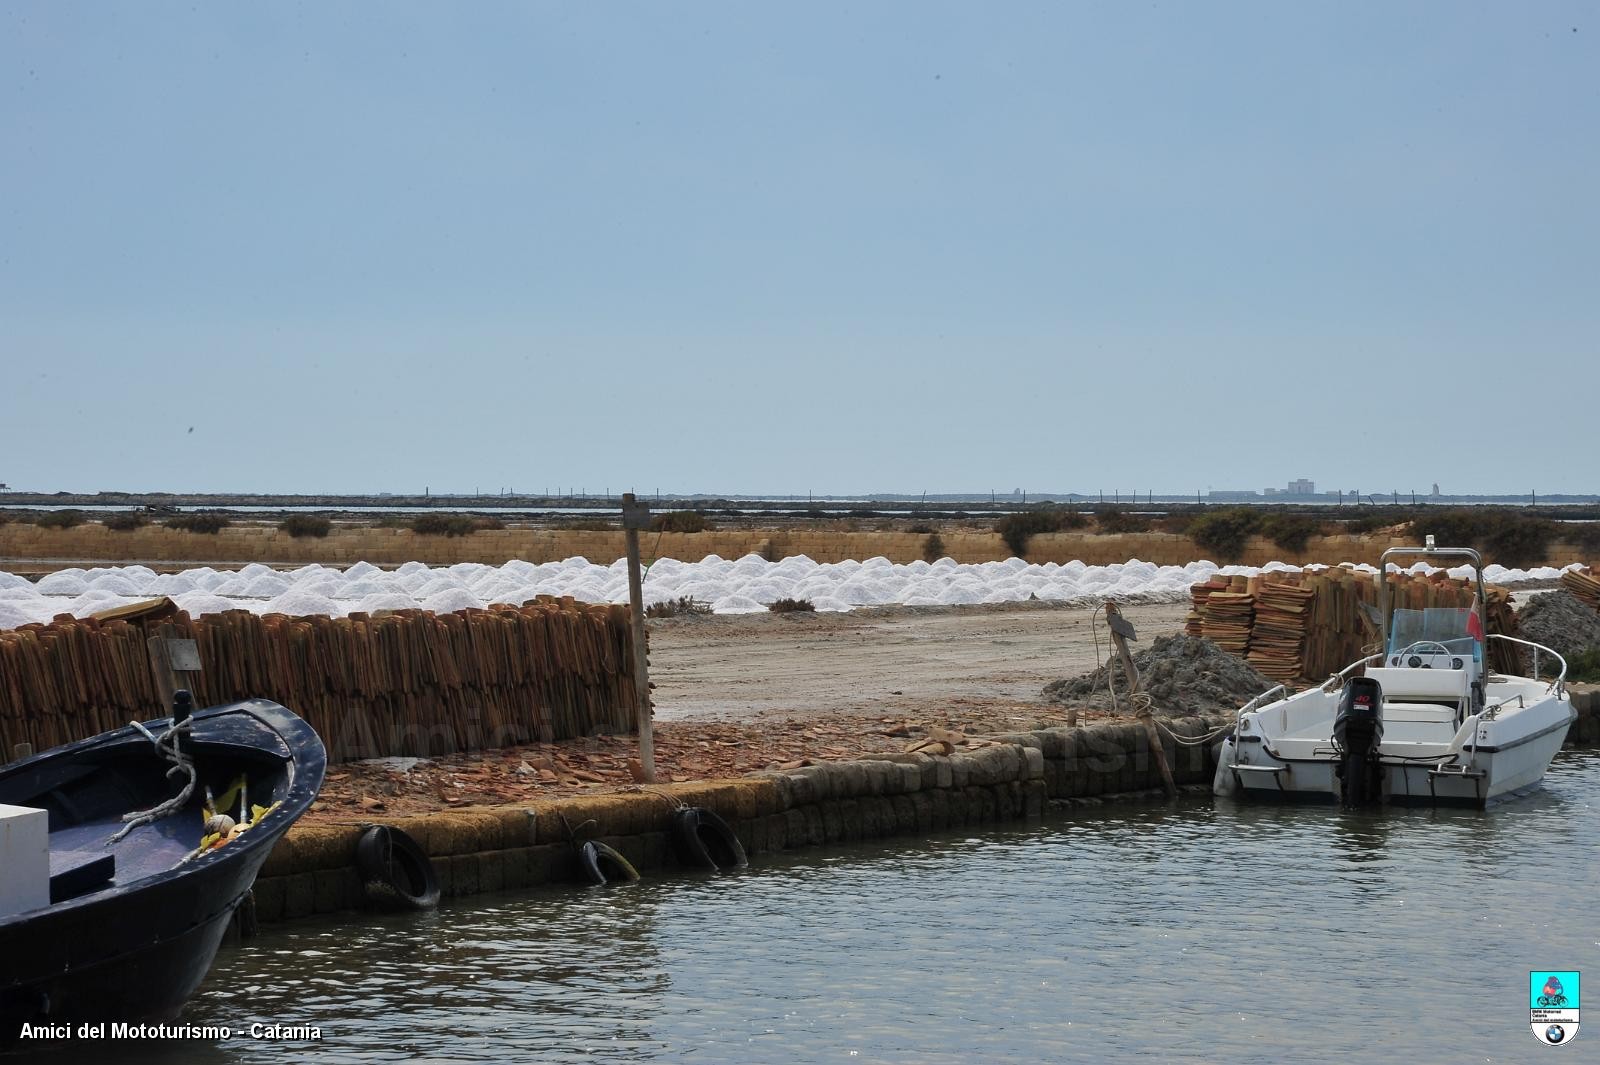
x=175 y=662
x=1121 y=633
x=636 y=516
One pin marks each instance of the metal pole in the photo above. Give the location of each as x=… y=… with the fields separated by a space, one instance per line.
x=635 y=516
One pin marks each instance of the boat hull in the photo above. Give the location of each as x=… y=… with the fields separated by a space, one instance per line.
x=1496 y=774
x=137 y=962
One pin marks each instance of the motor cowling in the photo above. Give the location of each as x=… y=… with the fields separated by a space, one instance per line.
x=1357 y=731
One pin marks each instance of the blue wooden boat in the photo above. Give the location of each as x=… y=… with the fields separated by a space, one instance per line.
x=139 y=904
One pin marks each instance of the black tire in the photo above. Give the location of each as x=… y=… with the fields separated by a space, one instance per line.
x=705 y=841
x=395 y=873
x=603 y=865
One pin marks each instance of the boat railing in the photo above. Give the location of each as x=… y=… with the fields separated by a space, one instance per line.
x=1559 y=685
x=1276 y=689
x=1336 y=681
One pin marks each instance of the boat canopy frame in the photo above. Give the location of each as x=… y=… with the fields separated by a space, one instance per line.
x=1428 y=551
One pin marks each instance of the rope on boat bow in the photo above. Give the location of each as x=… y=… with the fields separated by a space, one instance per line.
x=166 y=746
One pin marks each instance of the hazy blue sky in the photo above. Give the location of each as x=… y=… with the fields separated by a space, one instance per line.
x=746 y=248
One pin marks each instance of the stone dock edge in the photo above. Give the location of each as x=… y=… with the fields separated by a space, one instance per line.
x=312 y=870
x=482 y=849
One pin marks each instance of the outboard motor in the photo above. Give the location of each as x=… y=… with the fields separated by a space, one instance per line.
x=1357 y=731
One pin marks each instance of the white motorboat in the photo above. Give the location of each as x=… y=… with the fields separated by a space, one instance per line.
x=1424 y=720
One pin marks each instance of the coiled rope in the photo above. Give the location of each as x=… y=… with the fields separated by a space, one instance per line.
x=167 y=747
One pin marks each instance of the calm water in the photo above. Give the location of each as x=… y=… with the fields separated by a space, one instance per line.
x=1199 y=933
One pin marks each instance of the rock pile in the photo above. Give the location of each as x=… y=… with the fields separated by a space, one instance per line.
x=1183 y=674
x=1560 y=621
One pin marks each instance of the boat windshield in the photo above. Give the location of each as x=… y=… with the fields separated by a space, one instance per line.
x=1443 y=625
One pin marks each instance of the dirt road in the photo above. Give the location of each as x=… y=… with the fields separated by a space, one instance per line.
x=738 y=693
x=892 y=660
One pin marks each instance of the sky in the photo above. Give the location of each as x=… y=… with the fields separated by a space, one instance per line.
x=762 y=248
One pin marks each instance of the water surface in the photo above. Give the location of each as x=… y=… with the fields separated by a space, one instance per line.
x=1204 y=932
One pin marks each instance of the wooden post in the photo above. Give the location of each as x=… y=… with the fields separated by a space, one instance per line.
x=635 y=516
x=174 y=661
x=1121 y=633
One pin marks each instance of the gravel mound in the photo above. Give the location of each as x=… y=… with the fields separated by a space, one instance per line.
x=1560 y=621
x=1183 y=674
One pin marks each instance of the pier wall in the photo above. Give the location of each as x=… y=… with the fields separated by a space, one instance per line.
x=35 y=548
x=313 y=869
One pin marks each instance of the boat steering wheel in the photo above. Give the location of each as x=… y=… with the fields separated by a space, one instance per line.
x=1422 y=647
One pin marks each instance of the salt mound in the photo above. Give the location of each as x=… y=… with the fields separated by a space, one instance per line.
x=197 y=604
x=172 y=584
x=1562 y=622
x=451 y=600
x=297 y=602
x=267 y=586
x=1182 y=674
x=63 y=582
x=12 y=580
x=94 y=601
x=15 y=614
x=361 y=588
x=385 y=601
x=736 y=604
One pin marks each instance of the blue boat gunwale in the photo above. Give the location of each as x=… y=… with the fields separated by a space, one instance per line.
x=303 y=759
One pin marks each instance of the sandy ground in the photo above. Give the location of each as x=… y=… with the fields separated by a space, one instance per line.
x=895 y=660
x=741 y=693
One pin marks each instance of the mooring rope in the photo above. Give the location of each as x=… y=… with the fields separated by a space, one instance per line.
x=167 y=747
x=1142 y=703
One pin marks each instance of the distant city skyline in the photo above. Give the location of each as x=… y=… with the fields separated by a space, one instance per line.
x=362 y=247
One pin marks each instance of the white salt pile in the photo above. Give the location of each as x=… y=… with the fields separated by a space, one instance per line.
x=731 y=586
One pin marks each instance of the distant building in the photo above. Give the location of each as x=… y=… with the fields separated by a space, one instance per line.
x=1302 y=487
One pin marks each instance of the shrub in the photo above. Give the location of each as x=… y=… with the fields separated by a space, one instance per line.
x=487 y=523
x=671 y=608
x=790 y=606
x=1117 y=520
x=1584 y=535
x=933 y=548
x=298 y=525
x=1520 y=543
x=1585 y=666
x=1225 y=532
x=1507 y=536
x=680 y=521
x=199 y=523
x=1289 y=531
x=588 y=525
x=1451 y=528
x=1370 y=524
x=126 y=522
x=1178 y=524
x=443 y=524
x=919 y=527
x=1017 y=529
x=59 y=519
